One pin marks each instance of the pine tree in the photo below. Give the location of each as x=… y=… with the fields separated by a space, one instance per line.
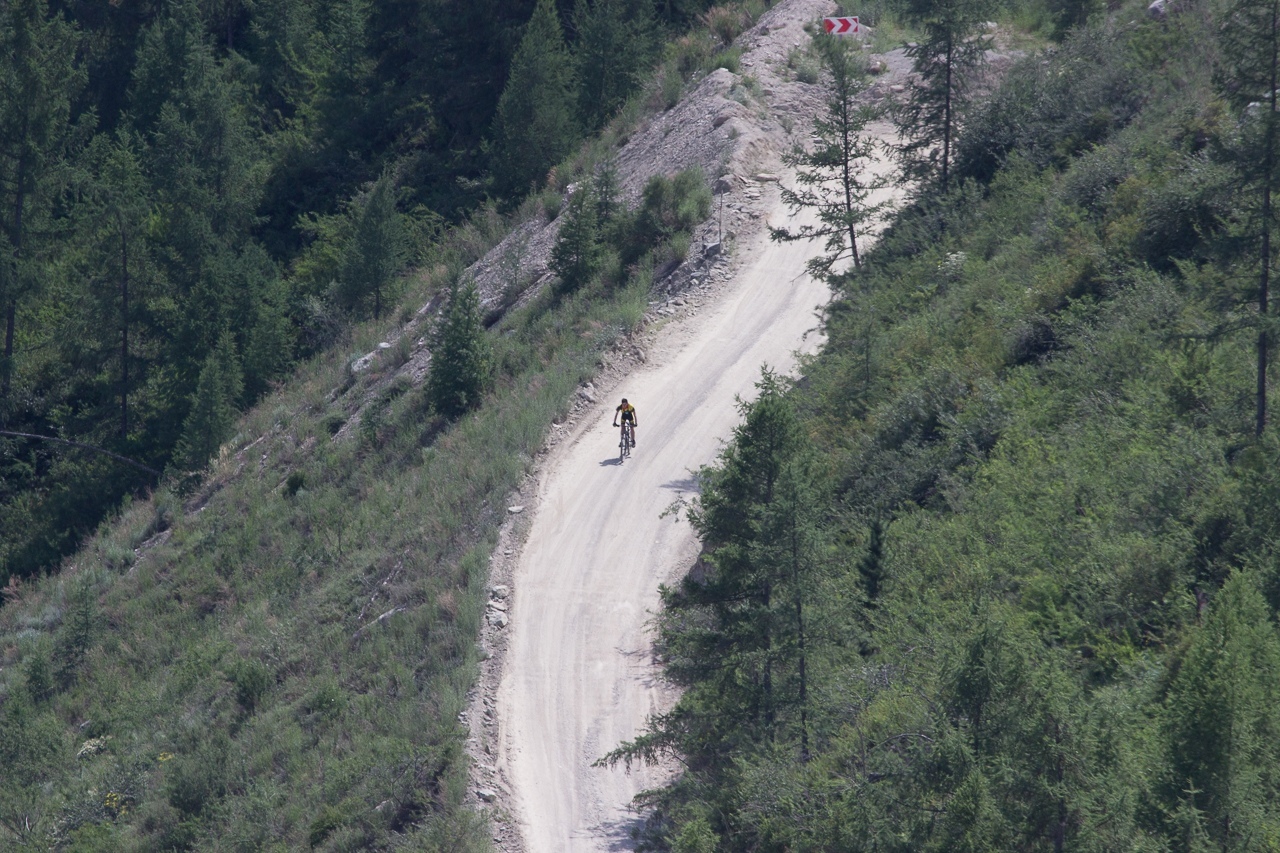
x=459 y=355
x=834 y=178
x=113 y=218
x=949 y=50
x=614 y=45
x=577 y=254
x=536 y=123
x=740 y=634
x=377 y=250
x=1223 y=718
x=213 y=406
x=39 y=78
x=1249 y=79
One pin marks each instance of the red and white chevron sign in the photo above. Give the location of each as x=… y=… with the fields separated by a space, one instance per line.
x=841 y=26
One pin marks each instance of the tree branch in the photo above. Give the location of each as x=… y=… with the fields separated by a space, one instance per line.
x=125 y=459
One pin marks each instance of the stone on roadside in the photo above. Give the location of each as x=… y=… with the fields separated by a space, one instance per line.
x=488 y=795
x=515 y=510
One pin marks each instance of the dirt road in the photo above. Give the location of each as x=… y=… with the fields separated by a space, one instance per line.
x=579 y=673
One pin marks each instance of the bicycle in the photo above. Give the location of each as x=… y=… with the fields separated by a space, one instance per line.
x=624 y=444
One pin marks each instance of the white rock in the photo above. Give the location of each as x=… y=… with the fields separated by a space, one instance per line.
x=499 y=619
x=515 y=510
x=488 y=795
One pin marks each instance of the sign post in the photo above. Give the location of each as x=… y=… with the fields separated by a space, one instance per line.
x=843 y=26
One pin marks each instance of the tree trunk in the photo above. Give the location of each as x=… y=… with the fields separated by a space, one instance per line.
x=124 y=334
x=946 y=115
x=9 y=321
x=846 y=143
x=1264 y=276
x=799 y=604
x=11 y=310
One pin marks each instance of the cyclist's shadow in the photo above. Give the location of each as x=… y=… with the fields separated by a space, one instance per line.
x=612 y=460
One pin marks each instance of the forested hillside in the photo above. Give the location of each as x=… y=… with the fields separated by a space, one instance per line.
x=268 y=642
x=999 y=572
x=196 y=195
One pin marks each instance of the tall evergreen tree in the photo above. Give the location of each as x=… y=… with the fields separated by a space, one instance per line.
x=949 y=50
x=213 y=406
x=377 y=249
x=576 y=256
x=460 y=355
x=1223 y=721
x=1249 y=78
x=615 y=42
x=206 y=164
x=834 y=177
x=39 y=78
x=113 y=222
x=536 y=123
x=738 y=635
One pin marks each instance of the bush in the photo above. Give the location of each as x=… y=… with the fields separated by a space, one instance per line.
x=252 y=680
x=1049 y=113
x=668 y=206
x=726 y=22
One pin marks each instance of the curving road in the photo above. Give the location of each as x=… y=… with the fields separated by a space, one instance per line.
x=579 y=677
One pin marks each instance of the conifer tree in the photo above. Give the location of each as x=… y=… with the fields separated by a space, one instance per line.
x=608 y=196
x=949 y=50
x=740 y=637
x=114 y=219
x=536 y=122
x=833 y=175
x=213 y=406
x=39 y=77
x=460 y=355
x=378 y=247
x=615 y=42
x=1223 y=719
x=1248 y=79
x=577 y=254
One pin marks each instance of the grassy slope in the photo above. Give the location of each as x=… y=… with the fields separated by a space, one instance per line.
x=245 y=692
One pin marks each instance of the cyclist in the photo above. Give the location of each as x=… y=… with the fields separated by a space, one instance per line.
x=628 y=412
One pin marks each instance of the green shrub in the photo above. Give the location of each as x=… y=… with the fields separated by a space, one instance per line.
x=1048 y=111
x=726 y=22
x=690 y=54
x=668 y=206
x=251 y=680
x=194 y=782
x=728 y=59
x=324 y=824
